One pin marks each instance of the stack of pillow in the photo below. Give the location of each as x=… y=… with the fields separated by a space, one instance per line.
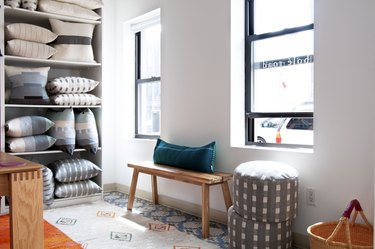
x=73 y=177
x=72 y=91
x=25 y=134
x=72 y=129
x=28 y=40
x=76 y=8
x=25 y=4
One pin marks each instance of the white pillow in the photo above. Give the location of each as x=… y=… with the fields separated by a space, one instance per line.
x=71 y=85
x=75 y=99
x=29 y=32
x=74 y=41
x=29 y=49
x=67 y=9
x=88 y=4
x=13 y=3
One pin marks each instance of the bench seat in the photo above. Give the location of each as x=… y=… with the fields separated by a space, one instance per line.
x=205 y=180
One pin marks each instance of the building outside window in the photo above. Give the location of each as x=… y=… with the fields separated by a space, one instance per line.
x=147 y=80
x=279 y=83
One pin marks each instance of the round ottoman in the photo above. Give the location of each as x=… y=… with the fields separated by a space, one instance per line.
x=248 y=234
x=265 y=191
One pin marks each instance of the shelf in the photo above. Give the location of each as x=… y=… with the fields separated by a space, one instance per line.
x=56 y=63
x=50 y=106
x=45 y=152
x=27 y=15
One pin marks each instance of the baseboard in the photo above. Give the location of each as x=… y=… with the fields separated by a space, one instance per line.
x=300 y=241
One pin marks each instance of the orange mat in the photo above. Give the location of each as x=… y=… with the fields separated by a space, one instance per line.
x=53 y=237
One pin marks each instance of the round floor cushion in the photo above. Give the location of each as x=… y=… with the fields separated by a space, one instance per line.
x=265 y=191
x=248 y=234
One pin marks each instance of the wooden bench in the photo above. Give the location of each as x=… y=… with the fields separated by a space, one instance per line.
x=194 y=177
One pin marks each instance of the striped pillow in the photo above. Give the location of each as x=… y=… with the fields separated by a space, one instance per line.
x=28 y=85
x=29 y=32
x=29 y=144
x=48 y=186
x=74 y=41
x=63 y=130
x=29 y=49
x=88 y=4
x=72 y=99
x=27 y=126
x=67 y=9
x=74 y=189
x=86 y=131
x=71 y=85
x=73 y=169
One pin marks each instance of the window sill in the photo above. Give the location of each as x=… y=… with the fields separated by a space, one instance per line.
x=275 y=148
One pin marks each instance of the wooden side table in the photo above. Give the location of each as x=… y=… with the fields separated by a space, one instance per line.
x=24 y=185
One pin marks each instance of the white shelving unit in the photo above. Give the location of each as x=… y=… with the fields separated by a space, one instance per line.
x=58 y=68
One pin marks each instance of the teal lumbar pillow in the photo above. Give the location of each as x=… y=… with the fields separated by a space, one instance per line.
x=193 y=158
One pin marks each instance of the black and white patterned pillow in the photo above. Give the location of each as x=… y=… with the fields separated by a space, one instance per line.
x=73 y=169
x=29 y=144
x=48 y=186
x=63 y=130
x=71 y=85
x=74 y=189
x=13 y=3
x=74 y=99
x=28 y=85
x=29 y=4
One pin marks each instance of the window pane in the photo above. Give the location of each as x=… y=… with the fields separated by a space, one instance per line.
x=275 y=15
x=265 y=129
x=150 y=52
x=149 y=108
x=282 y=72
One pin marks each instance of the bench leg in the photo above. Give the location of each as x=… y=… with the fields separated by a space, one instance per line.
x=226 y=193
x=205 y=210
x=154 y=184
x=133 y=186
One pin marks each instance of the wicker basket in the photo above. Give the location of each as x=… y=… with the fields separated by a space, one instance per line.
x=342 y=234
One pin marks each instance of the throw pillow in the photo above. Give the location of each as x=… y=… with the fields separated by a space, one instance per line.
x=13 y=3
x=74 y=41
x=193 y=158
x=71 y=85
x=63 y=130
x=74 y=189
x=67 y=9
x=76 y=99
x=28 y=85
x=48 y=186
x=72 y=170
x=29 y=32
x=29 y=144
x=29 y=4
x=86 y=132
x=29 y=49
x=88 y=4
x=27 y=126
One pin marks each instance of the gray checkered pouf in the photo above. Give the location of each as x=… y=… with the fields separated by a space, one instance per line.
x=265 y=195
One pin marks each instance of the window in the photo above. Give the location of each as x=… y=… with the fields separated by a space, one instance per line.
x=147 y=81
x=279 y=82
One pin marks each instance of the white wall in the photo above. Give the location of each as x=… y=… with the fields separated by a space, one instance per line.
x=196 y=85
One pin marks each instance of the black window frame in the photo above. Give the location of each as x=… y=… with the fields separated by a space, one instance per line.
x=138 y=81
x=249 y=115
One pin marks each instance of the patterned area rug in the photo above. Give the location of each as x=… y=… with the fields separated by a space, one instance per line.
x=183 y=222
x=100 y=225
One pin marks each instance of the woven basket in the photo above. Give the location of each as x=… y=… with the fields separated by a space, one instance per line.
x=342 y=234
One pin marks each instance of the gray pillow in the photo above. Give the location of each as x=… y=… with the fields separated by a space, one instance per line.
x=63 y=130
x=71 y=170
x=29 y=144
x=27 y=126
x=28 y=85
x=74 y=189
x=86 y=132
x=48 y=186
